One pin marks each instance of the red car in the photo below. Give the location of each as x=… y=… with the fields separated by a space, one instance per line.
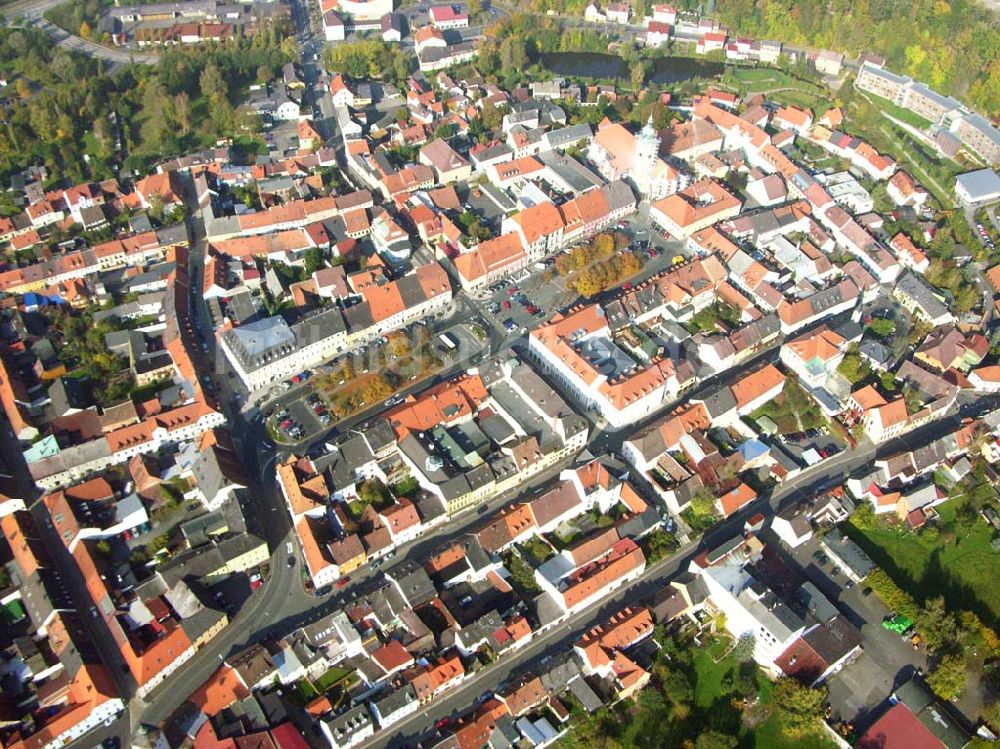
x=512 y=291
x=254 y=584
x=506 y=304
x=626 y=287
x=343 y=581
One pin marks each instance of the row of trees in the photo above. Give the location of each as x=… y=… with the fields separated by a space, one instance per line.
x=83 y=350
x=943 y=271
x=514 y=44
x=950 y=637
x=599 y=264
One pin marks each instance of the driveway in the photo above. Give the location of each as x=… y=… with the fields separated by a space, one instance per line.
x=886 y=661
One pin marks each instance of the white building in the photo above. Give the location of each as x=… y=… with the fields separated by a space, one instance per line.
x=333 y=27
x=363 y=10
x=829 y=63
x=347 y=729
x=395 y=706
x=978 y=188
x=815 y=356
x=579 y=352
x=618 y=154
x=449 y=17
x=793 y=529
x=751 y=609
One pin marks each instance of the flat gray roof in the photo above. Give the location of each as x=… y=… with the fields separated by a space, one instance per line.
x=980 y=184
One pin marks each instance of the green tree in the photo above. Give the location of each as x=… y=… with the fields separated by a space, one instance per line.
x=991 y=714
x=800 y=707
x=514 y=54
x=637 y=74
x=948 y=677
x=882 y=327
x=313 y=260
x=373 y=492
x=677 y=686
x=743 y=650
x=491 y=116
x=444 y=131
x=703 y=503
x=212 y=83
x=182 y=113
x=712 y=739
x=938 y=626
x=22 y=87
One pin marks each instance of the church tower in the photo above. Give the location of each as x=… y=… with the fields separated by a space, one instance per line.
x=647 y=152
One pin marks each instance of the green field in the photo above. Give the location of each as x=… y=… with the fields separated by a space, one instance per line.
x=786 y=89
x=962 y=566
x=903 y=115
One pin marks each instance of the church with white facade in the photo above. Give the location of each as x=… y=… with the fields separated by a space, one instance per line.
x=619 y=154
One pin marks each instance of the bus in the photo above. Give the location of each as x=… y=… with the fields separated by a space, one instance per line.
x=448 y=340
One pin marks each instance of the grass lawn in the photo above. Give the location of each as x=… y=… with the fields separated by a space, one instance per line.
x=709 y=675
x=766 y=79
x=537 y=549
x=796 y=92
x=903 y=115
x=966 y=571
x=305 y=691
x=803 y=99
x=768 y=735
x=793 y=411
x=331 y=677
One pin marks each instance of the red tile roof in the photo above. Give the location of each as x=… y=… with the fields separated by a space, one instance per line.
x=899 y=728
x=392 y=656
x=221 y=690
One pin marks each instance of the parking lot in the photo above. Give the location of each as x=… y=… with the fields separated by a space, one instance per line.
x=986 y=236
x=300 y=414
x=812 y=445
x=530 y=296
x=886 y=660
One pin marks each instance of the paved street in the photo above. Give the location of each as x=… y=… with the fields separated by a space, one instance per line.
x=32 y=12
x=822 y=475
x=283 y=604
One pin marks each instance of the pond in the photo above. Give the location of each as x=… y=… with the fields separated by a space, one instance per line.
x=666 y=70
